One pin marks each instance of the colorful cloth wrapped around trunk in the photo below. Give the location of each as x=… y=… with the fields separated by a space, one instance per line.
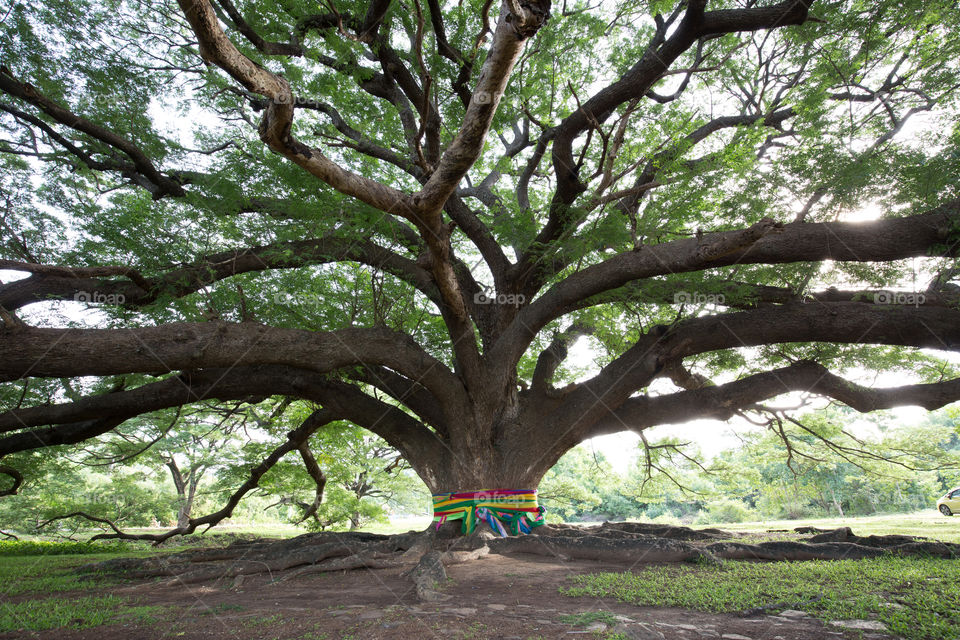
x=507 y=511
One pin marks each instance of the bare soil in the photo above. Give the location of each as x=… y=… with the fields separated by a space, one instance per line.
x=513 y=597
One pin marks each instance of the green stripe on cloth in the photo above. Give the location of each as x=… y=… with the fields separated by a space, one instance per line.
x=506 y=511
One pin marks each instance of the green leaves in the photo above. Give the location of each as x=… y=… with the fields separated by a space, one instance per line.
x=364 y=482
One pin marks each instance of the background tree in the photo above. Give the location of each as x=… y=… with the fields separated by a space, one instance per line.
x=407 y=213
x=149 y=472
x=868 y=465
x=364 y=480
x=575 y=486
x=127 y=497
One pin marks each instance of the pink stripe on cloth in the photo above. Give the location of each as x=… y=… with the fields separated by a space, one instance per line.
x=499 y=492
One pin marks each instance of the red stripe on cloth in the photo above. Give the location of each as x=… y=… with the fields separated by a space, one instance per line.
x=500 y=492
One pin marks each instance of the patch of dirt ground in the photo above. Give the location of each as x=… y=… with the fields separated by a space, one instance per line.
x=497 y=597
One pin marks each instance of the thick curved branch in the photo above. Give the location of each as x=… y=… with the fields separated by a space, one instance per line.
x=418 y=446
x=553 y=356
x=516 y=25
x=881 y=240
x=140 y=162
x=92 y=416
x=405 y=391
x=17 y=480
x=275 y=131
x=181 y=389
x=275 y=127
x=723 y=401
x=191 y=346
x=838 y=322
x=745 y=295
x=640 y=79
x=588 y=403
x=71 y=433
x=67 y=283
x=376 y=12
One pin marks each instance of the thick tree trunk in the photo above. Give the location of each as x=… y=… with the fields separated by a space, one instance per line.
x=186 y=491
x=500 y=446
x=482 y=465
x=480 y=458
x=186 y=502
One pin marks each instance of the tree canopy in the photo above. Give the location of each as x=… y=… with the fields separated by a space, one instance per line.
x=405 y=214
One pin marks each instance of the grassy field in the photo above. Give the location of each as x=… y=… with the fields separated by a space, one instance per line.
x=50 y=569
x=916 y=598
x=925 y=524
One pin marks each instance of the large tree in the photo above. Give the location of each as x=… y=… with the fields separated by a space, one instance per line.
x=408 y=212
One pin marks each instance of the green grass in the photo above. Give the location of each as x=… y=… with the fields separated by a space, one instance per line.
x=917 y=598
x=44 y=548
x=74 y=613
x=587 y=618
x=261 y=621
x=926 y=524
x=50 y=574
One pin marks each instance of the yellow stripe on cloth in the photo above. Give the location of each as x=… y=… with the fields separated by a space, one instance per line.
x=513 y=510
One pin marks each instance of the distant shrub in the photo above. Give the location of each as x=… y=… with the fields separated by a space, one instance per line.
x=726 y=511
x=665 y=517
x=42 y=548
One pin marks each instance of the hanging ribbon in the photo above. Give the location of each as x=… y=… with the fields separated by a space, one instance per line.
x=506 y=511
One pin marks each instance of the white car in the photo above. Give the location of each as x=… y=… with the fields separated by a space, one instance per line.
x=950 y=503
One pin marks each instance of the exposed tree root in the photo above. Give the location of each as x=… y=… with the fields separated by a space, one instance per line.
x=245 y=557
x=426 y=553
x=632 y=529
x=428 y=575
x=634 y=542
x=606 y=549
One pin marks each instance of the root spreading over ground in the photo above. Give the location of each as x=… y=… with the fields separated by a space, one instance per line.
x=426 y=553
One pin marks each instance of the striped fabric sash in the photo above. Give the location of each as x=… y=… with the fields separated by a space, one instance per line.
x=507 y=511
